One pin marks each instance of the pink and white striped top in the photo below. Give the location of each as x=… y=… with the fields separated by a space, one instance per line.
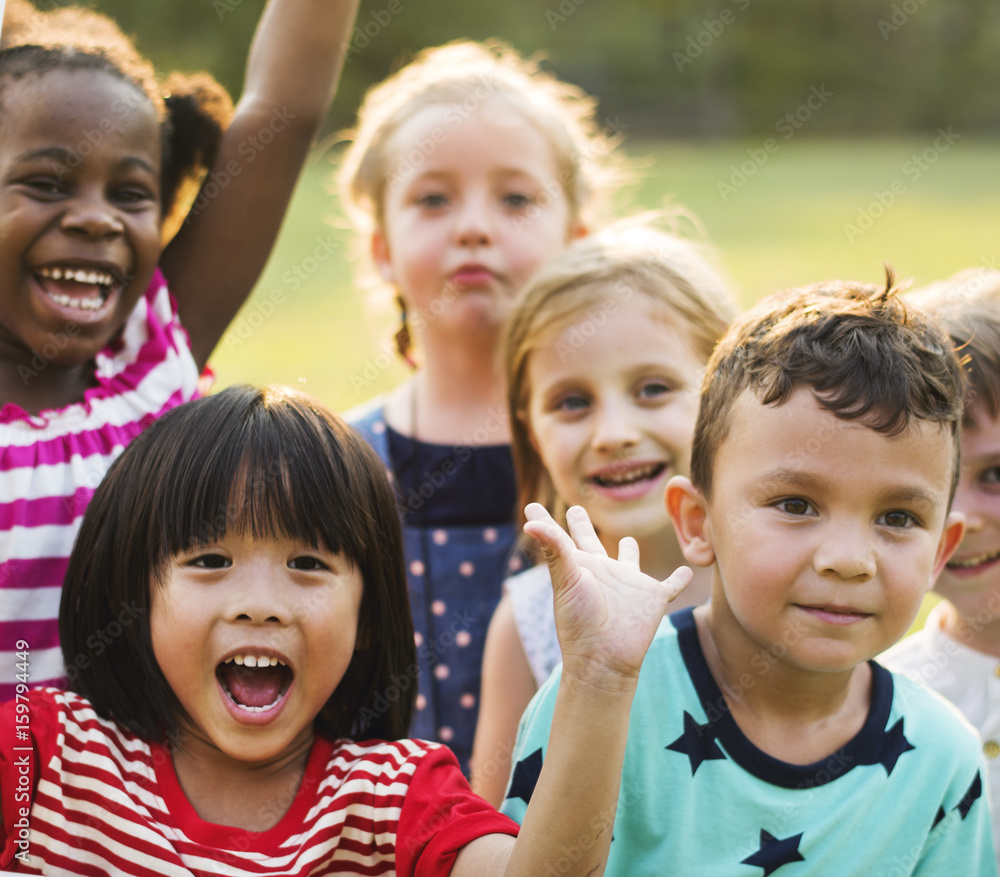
x=98 y=800
x=51 y=463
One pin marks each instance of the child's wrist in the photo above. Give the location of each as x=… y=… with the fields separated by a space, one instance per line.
x=599 y=678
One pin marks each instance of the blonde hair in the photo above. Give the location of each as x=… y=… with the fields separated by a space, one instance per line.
x=465 y=75
x=594 y=277
x=967 y=307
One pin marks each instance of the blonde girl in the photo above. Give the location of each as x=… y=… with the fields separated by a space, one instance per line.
x=100 y=209
x=468 y=169
x=604 y=356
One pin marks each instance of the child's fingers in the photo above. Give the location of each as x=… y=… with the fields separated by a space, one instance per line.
x=628 y=551
x=582 y=531
x=677 y=581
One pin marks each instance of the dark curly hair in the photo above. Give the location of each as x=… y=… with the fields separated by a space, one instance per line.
x=193 y=111
x=862 y=353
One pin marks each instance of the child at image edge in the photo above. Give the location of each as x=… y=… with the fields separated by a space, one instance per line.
x=958 y=651
x=763 y=738
x=604 y=356
x=250 y=718
x=97 y=165
x=468 y=169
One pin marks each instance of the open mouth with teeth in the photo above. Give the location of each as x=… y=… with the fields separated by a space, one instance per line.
x=974 y=562
x=85 y=289
x=255 y=683
x=625 y=477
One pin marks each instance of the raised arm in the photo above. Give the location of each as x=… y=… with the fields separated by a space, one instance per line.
x=219 y=253
x=507 y=688
x=607 y=612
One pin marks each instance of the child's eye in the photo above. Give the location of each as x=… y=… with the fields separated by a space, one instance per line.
x=307 y=563
x=518 y=200
x=898 y=520
x=795 y=505
x=432 y=200
x=572 y=404
x=991 y=476
x=47 y=186
x=653 y=389
x=133 y=196
x=210 y=561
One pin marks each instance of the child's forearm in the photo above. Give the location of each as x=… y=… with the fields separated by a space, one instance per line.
x=568 y=824
x=572 y=810
x=297 y=54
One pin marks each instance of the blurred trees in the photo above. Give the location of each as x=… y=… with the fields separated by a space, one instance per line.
x=681 y=67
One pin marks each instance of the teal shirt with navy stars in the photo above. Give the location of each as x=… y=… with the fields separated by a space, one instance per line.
x=903 y=797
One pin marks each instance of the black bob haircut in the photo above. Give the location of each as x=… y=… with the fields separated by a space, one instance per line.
x=261 y=463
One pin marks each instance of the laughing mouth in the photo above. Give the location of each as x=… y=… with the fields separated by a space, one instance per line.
x=622 y=477
x=973 y=562
x=86 y=289
x=254 y=682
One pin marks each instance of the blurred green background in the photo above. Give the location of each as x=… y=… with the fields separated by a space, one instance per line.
x=811 y=140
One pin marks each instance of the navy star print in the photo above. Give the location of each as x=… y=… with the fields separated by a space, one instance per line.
x=697 y=743
x=525 y=776
x=775 y=852
x=894 y=744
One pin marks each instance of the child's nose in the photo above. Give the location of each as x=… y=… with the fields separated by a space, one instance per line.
x=613 y=428
x=473 y=223
x=258 y=599
x=847 y=552
x=92 y=216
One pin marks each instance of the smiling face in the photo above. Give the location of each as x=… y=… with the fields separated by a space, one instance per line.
x=79 y=212
x=611 y=412
x=472 y=208
x=825 y=533
x=253 y=638
x=971 y=579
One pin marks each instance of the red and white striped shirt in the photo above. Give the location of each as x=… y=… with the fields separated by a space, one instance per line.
x=99 y=800
x=51 y=463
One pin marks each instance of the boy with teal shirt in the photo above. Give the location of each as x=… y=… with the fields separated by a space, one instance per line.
x=762 y=737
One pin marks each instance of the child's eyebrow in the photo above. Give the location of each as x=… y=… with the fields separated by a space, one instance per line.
x=59 y=153
x=786 y=477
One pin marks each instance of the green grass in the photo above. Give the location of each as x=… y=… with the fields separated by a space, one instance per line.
x=785 y=226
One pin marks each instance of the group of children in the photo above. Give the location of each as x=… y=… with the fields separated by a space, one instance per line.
x=232 y=645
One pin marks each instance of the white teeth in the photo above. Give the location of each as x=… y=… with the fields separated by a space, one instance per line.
x=101 y=278
x=255 y=661
x=616 y=478
x=970 y=562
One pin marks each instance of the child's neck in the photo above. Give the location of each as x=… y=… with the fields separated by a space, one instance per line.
x=452 y=400
x=982 y=636
x=36 y=384
x=793 y=714
x=225 y=791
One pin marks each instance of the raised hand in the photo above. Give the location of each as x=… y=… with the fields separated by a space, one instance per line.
x=606 y=610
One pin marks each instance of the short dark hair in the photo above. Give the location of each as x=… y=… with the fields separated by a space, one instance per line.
x=264 y=463
x=967 y=305
x=864 y=355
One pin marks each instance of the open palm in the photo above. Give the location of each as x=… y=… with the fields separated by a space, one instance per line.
x=606 y=610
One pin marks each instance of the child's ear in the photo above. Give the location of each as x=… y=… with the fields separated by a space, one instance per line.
x=381 y=256
x=954 y=529
x=689 y=512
